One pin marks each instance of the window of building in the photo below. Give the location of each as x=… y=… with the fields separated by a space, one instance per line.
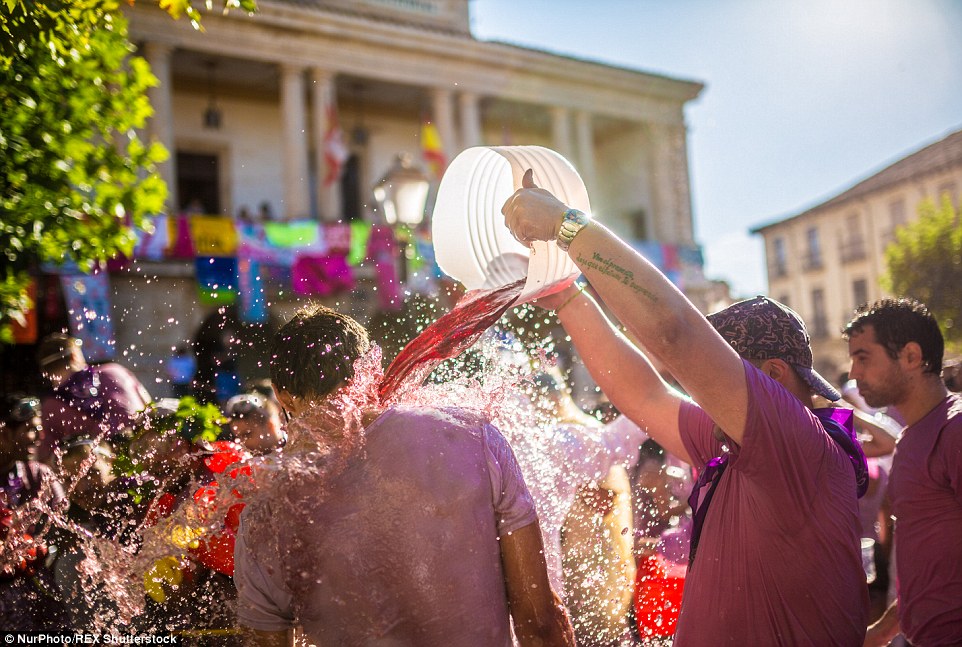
x=351 y=203
x=638 y=219
x=859 y=292
x=852 y=245
x=779 y=257
x=813 y=258
x=897 y=213
x=198 y=183
x=819 y=319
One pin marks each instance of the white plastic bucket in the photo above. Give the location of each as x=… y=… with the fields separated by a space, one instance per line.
x=471 y=242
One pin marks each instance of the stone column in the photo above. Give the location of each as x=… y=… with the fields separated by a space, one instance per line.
x=442 y=115
x=323 y=101
x=586 y=148
x=161 y=125
x=294 y=143
x=470 y=120
x=561 y=132
x=669 y=175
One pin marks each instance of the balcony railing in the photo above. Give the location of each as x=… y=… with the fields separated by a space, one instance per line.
x=811 y=262
x=852 y=250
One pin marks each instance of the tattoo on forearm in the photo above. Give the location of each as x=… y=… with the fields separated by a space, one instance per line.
x=609 y=268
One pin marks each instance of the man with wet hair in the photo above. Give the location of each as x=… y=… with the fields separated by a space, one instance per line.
x=413 y=527
x=896 y=349
x=775 y=557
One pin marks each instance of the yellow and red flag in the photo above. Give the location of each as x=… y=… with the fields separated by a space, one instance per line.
x=431 y=149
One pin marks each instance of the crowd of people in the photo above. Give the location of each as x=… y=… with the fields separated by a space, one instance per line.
x=724 y=499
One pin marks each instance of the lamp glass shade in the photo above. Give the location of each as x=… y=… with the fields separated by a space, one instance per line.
x=402 y=194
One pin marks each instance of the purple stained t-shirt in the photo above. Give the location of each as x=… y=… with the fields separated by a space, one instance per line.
x=404 y=544
x=926 y=491
x=778 y=561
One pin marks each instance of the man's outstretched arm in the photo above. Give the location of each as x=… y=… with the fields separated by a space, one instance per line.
x=540 y=618
x=620 y=369
x=647 y=304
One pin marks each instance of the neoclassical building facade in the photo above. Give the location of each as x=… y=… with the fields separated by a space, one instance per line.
x=245 y=106
x=829 y=259
x=386 y=65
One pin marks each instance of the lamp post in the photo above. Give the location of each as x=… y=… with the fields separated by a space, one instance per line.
x=402 y=196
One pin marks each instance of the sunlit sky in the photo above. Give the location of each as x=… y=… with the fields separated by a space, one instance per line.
x=803 y=98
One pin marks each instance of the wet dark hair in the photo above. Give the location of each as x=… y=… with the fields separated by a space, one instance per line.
x=314 y=353
x=896 y=323
x=55 y=351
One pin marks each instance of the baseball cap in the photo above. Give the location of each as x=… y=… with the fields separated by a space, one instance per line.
x=762 y=328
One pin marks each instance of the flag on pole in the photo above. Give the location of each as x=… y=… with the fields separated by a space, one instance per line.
x=431 y=148
x=336 y=151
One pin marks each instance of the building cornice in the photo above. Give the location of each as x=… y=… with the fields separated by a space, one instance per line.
x=284 y=33
x=929 y=160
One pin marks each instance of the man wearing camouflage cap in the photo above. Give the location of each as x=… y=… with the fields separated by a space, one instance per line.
x=775 y=556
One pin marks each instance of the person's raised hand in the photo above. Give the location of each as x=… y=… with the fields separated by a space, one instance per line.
x=532 y=213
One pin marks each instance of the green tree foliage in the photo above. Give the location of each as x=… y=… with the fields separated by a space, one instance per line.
x=76 y=179
x=925 y=263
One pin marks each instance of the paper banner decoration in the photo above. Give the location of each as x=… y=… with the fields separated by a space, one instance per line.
x=88 y=305
x=25 y=330
x=213 y=236
x=298 y=233
x=651 y=250
x=360 y=233
x=691 y=256
x=216 y=280
x=178 y=234
x=338 y=238
x=669 y=254
x=253 y=303
x=260 y=252
x=381 y=244
x=321 y=275
x=152 y=246
x=425 y=250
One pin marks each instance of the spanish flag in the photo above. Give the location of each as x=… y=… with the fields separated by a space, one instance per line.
x=431 y=149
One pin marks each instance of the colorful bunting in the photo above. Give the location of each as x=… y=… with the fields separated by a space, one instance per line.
x=321 y=275
x=217 y=280
x=213 y=235
x=25 y=328
x=360 y=233
x=88 y=303
x=253 y=302
x=298 y=233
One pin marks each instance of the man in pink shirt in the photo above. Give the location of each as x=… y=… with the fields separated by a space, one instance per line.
x=401 y=526
x=896 y=348
x=775 y=557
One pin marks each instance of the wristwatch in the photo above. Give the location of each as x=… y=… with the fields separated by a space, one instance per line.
x=573 y=222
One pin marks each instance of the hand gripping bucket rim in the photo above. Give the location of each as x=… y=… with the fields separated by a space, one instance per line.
x=472 y=243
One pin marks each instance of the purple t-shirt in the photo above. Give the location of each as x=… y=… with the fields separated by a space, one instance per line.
x=779 y=561
x=404 y=545
x=98 y=399
x=926 y=491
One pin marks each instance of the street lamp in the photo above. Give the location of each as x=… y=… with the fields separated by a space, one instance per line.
x=402 y=193
x=402 y=196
